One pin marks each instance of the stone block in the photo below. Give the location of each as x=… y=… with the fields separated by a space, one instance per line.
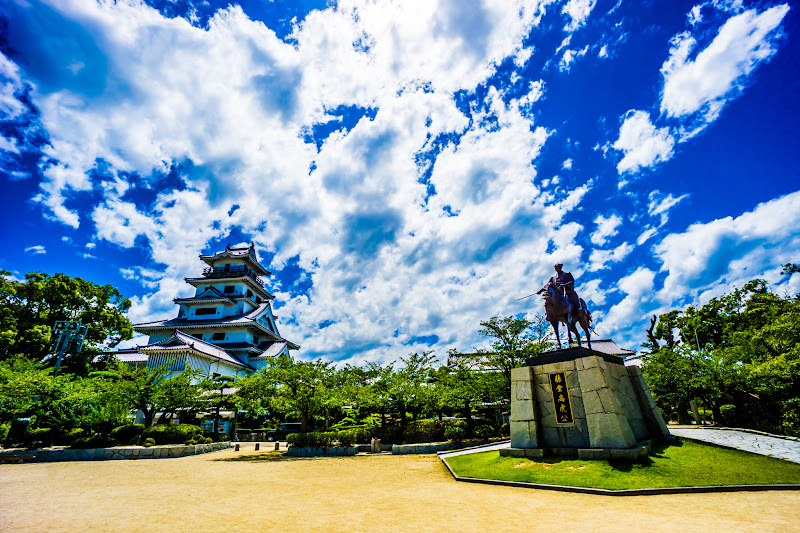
x=591 y=403
x=551 y=437
x=146 y=452
x=564 y=366
x=630 y=453
x=585 y=454
x=522 y=373
x=572 y=436
x=609 y=401
x=591 y=379
x=516 y=452
x=578 y=410
x=591 y=361
x=609 y=430
x=534 y=453
x=523 y=390
x=522 y=410
x=523 y=435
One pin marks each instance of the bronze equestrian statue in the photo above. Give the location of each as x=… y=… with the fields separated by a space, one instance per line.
x=562 y=304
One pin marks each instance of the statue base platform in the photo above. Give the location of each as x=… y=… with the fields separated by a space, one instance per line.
x=583 y=403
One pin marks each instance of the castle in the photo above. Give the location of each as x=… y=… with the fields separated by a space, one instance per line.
x=227 y=328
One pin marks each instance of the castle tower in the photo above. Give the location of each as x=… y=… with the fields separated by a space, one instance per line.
x=226 y=328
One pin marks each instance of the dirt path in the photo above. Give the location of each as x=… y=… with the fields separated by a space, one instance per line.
x=376 y=494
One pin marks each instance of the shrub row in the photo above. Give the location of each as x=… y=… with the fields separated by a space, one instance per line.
x=172 y=434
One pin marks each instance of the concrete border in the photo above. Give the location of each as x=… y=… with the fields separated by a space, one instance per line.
x=743 y=430
x=620 y=492
x=119 y=453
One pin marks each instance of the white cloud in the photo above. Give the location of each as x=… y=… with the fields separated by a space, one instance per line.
x=229 y=105
x=730 y=251
x=570 y=56
x=637 y=287
x=718 y=72
x=644 y=145
x=606 y=227
x=578 y=11
x=603 y=52
x=660 y=204
x=600 y=259
x=645 y=236
x=567 y=164
x=35 y=250
x=90 y=245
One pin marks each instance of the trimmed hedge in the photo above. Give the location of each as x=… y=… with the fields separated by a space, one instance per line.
x=126 y=433
x=172 y=434
x=44 y=436
x=93 y=441
x=315 y=439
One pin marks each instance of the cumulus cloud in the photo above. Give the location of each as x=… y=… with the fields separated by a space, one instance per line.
x=420 y=215
x=705 y=82
x=643 y=144
x=730 y=251
x=600 y=259
x=570 y=56
x=578 y=11
x=638 y=287
x=606 y=227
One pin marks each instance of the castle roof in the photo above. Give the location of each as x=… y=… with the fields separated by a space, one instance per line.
x=179 y=342
x=247 y=253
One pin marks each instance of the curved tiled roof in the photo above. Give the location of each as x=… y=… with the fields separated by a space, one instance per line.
x=182 y=341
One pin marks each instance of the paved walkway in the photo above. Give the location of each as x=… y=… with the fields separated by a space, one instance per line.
x=484 y=448
x=780 y=448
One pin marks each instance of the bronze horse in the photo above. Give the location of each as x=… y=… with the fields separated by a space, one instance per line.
x=557 y=309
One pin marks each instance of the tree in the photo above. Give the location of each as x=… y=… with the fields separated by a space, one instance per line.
x=514 y=340
x=30 y=308
x=300 y=387
x=149 y=389
x=409 y=387
x=740 y=350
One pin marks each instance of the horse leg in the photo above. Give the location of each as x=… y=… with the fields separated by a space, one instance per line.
x=577 y=334
x=585 y=326
x=558 y=337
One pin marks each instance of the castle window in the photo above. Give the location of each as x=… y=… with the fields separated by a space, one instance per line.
x=205 y=310
x=250 y=293
x=229 y=289
x=218 y=337
x=197 y=336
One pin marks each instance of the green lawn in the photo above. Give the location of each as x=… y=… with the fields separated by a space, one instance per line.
x=682 y=464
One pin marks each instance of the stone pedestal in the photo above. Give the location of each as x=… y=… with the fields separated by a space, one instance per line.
x=599 y=404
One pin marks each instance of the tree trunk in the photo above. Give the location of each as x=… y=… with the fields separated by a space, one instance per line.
x=683 y=413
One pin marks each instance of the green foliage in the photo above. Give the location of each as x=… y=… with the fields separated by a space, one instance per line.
x=95 y=440
x=126 y=433
x=740 y=349
x=172 y=433
x=429 y=430
x=149 y=442
x=505 y=430
x=484 y=432
x=43 y=435
x=455 y=433
x=314 y=439
x=30 y=308
x=346 y=438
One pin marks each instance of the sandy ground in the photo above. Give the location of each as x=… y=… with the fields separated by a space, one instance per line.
x=377 y=493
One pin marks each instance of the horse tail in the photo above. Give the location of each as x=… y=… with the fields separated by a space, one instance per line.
x=586 y=310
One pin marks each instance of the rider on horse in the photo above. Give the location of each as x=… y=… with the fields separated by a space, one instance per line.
x=565 y=284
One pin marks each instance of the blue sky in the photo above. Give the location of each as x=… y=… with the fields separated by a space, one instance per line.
x=406 y=169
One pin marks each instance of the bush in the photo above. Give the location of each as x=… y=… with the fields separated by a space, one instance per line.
x=425 y=431
x=92 y=441
x=172 y=434
x=346 y=438
x=505 y=430
x=454 y=433
x=44 y=436
x=315 y=439
x=65 y=437
x=126 y=433
x=4 y=431
x=484 y=432
x=191 y=442
x=728 y=414
x=790 y=423
x=149 y=442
